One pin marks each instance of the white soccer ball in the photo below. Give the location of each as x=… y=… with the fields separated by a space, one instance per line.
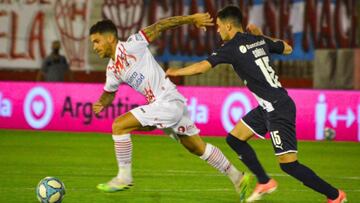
x=329 y=134
x=50 y=190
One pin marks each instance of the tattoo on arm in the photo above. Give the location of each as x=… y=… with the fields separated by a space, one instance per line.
x=154 y=31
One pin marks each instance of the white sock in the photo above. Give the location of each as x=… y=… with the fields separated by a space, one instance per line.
x=123 y=153
x=217 y=159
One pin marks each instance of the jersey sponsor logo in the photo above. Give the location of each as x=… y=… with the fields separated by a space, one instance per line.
x=256 y=44
x=38 y=107
x=5 y=106
x=242 y=49
x=236 y=105
x=135 y=80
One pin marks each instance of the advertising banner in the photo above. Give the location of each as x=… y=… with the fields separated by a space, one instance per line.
x=215 y=110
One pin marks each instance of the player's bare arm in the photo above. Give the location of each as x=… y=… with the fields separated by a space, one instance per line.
x=200 y=20
x=253 y=29
x=105 y=100
x=194 y=69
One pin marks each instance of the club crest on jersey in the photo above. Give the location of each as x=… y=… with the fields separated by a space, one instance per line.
x=181 y=129
x=243 y=49
x=187 y=128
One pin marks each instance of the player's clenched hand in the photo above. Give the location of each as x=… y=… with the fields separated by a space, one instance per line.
x=253 y=29
x=97 y=107
x=201 y=20
x=171 y=72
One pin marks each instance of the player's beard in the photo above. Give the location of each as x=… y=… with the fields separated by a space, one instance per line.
x=105 y=54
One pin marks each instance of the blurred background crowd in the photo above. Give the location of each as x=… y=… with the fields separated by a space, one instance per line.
x=47 y=40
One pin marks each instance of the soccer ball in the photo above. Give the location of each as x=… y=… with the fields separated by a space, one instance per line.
x=329 y=133
x=50 y=190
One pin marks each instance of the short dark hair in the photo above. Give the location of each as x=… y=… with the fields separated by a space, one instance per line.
x=104 y=26
x=232 y=13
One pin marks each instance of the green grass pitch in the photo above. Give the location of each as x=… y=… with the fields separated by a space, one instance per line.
x=163 y=170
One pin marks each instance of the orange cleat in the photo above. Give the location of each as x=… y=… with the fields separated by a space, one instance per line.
x=340 y=199
x=262 y=189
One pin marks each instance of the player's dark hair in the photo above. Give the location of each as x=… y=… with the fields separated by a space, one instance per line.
x=232 y=13
x=104 y=26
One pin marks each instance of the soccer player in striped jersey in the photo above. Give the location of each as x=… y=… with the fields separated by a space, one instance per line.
x=249 y=54
x=131 y=62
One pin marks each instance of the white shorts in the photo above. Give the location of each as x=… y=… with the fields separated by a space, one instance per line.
x=166 y=114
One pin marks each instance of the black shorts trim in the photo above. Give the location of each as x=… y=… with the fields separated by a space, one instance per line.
x=252 y=130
